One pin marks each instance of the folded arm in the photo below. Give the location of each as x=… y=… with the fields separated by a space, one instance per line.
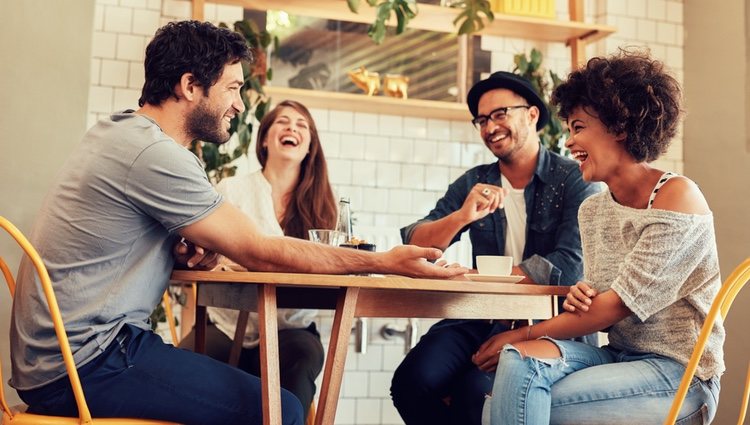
x=605 y=310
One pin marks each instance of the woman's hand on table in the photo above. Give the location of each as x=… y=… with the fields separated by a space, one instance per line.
x=579 y=297
x=192 y=256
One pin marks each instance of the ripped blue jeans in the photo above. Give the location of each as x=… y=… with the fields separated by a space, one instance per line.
x=590 y=385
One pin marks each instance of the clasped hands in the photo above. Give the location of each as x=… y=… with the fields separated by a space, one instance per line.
x=192 y=256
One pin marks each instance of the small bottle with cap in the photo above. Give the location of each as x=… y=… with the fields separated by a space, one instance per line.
x=344 y=222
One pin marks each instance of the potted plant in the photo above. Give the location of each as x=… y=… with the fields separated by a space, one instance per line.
x=544 y=82
x=468 y=21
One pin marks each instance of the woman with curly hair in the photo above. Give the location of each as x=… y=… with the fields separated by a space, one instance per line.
x=651 y=270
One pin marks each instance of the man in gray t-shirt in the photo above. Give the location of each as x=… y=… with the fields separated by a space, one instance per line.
x=111 y=229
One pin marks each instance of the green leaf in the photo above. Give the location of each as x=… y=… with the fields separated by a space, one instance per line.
x=265 y=39
x=377 y=32
x=353 y=5
x=269 y=74
x=384 y=11
x=467 y=27
x=260 y=110
x=401 y=21
x=536 y=59
x=409 y=8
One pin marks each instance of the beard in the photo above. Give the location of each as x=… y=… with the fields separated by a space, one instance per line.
x=207 y=125
x=518 y=139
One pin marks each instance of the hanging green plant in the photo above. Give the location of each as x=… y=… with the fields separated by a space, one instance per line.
x=468 y=21
x=544 y=83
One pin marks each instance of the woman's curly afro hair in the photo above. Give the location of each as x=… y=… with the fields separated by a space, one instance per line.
x=632 y=95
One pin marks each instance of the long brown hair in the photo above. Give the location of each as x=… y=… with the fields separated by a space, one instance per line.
x=312 y=205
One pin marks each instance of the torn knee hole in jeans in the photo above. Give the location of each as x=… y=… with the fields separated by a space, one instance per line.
x=536 y=361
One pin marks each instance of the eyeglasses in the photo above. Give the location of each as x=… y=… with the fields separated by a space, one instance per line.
x=497 y=116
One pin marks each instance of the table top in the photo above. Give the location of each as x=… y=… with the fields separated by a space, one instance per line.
x=391 y=282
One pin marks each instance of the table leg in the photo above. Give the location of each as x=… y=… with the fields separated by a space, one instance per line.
x=200 y=329
x=239 y=336
x=337 y=349
x=269 y=354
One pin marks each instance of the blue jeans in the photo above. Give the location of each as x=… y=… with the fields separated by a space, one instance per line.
x=437 y=384
x=139 y=376
x=590 y=385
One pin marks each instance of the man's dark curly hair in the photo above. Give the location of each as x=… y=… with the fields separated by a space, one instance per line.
x=196 y=47
x=631 y=94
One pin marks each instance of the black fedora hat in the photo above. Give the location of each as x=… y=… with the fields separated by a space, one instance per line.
x=514 y=83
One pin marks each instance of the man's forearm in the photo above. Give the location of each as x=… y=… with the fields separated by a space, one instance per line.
x=297 y=255
x=438 y=233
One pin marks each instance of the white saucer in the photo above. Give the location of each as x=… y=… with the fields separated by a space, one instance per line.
x=493 y=278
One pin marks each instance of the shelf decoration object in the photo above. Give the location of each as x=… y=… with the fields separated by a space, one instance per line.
x=366 y=80
x=396 y=85
x=532 y=8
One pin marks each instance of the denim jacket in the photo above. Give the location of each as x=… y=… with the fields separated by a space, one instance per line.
x=552 y=254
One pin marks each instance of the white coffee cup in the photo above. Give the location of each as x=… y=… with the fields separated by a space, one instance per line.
x=495 y=265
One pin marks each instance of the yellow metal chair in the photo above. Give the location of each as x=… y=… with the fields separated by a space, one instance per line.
x=166 y=301
x=720 y=306
x=17 y=417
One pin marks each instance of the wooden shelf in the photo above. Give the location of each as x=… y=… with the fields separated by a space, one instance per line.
x=436 y=18
x=574 y=33
x=372 y=104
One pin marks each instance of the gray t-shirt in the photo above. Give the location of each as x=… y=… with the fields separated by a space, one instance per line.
x=665 y=267
x=105 y=232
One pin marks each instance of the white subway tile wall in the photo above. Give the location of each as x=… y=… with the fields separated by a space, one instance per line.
x=393 y=168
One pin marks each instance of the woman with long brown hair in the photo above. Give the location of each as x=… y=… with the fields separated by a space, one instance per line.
x=289 y=195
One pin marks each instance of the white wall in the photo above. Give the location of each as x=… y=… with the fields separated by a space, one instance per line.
x=717 y=156
x=45 y=51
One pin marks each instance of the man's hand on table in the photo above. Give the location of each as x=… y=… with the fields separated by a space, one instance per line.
x=192 y=256
x=411 y=260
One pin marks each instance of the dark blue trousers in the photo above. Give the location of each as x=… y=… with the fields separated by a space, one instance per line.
x=437 y=384
x=139 y=376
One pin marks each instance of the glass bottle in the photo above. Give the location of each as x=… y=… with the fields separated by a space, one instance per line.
x=344 y=222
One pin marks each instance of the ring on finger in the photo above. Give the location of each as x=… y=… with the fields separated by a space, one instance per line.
x=486 y=192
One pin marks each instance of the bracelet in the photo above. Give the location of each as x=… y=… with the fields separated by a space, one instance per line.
x=528 y=333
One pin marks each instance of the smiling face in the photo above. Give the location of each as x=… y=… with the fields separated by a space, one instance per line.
x=599 y=152
x=511 y=135
x=288 y=137
x=209 y=120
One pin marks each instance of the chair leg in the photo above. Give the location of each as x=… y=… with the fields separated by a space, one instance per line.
x=745 y=396
x=167 y=302
x=311 y=414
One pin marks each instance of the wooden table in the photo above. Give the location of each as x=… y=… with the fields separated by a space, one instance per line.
x=350 y=297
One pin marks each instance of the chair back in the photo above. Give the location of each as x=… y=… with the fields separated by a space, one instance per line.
x=84 y=416
x=720 y=306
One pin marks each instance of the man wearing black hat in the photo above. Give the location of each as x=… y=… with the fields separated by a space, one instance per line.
x=524 y=205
